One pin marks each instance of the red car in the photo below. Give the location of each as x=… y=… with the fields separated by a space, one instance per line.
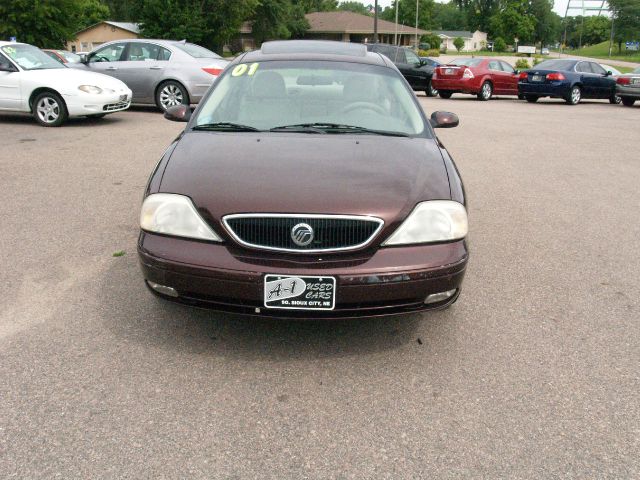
x=483 y=77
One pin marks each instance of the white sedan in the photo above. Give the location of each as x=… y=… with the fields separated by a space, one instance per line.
x=33 y=82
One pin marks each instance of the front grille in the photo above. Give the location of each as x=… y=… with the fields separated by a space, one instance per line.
x=110 y=107
x=330 y=232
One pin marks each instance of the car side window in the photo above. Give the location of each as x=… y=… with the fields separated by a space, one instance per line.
x=5 y=62
x=412 y=58
x=142 y=52
x=400 y=57
x=388 y=52
x=507 y=68
x=595 y=68
x=110 y=53
x=495 y=65
x=583 y=67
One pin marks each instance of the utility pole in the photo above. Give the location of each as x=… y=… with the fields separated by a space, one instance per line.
x=375 y=22
x=611 y=37
x=395 y=38
x=417 y=5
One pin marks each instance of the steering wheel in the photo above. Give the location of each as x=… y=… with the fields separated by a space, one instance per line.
x=364 y=106
x=101 y=58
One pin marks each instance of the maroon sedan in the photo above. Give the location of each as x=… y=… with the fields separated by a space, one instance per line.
x=308 y=183
x=483 y=77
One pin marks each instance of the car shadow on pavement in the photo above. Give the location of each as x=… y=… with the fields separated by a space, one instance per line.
x=27 y=119
x=131 y=312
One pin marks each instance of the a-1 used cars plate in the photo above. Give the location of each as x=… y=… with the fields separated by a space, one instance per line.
x=537 y=78
x=299 y=292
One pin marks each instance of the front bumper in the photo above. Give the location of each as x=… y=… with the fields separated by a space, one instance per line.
x=97 y=104
x=386 y=282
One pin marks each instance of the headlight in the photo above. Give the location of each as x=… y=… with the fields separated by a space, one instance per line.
x=173 y=214
x=90 y=89
x=432 y=221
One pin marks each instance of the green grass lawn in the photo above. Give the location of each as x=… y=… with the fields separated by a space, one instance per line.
x=601 y=50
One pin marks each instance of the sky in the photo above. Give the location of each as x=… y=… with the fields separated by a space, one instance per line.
x=559 y=5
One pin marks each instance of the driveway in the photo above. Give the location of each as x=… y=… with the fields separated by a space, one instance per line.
x=533 y=373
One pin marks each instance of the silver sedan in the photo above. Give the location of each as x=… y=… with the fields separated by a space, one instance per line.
x=158 y=72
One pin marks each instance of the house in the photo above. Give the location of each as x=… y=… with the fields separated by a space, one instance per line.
x=354 y=27
x=106 y=31
x=473 y=42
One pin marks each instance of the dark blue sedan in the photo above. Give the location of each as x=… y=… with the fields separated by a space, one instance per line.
x=571 y=80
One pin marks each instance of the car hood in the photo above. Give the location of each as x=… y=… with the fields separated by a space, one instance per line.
x=67 y=80
x=227 y=173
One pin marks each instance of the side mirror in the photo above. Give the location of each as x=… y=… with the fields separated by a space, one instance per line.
x=444 y=120
x=6 y=67
x=609 y=73
x=84 y=58
x=516 y=72
x=178 y=113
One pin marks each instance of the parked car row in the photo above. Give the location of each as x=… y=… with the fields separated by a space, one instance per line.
x=54 y=85
x=569 y=79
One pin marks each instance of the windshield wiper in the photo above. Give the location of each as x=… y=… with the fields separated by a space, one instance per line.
x=226 y=126
x=325 y=127
x=299 y=127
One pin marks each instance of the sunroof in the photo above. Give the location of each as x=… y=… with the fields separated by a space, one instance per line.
x=314 y=46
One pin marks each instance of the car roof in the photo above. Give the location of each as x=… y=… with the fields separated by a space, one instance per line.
x=314 y=50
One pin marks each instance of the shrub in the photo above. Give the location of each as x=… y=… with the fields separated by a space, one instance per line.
x=429 y=53
x=522 y=64
x=458 y=42
x=433 y=40
x=536 y=61
x=499 y=45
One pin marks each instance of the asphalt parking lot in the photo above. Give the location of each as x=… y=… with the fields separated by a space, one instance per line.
x=533 y=373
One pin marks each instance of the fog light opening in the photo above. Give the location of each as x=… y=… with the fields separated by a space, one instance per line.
x=163 y=289
x=440 y=296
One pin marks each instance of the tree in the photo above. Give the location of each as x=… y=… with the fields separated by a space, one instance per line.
x=458 y=42
x=354 y=6
x=513 y=21
x=44 y=24
x=90 y=12
x=433 y=40
x=499 y=45
x=210 y=23
x=626 y=15
x=548 y=23
x=122 y=10
x=407 y=13
x=447 y=16
x=318 y=5
x=277 y=19
x=596 y=29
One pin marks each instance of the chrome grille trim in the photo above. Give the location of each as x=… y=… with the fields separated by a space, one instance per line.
x=301 y=217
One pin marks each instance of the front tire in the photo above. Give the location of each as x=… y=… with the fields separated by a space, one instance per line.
x=49 y=109
x=532 y=98
x=628 y=101
x=486 y=92
x=615 y=99
x=445 y=93
x=170 y=94
x=575 y=95
x=431 y=91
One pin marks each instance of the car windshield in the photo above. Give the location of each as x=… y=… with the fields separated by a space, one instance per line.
x=30 y=57
x=196 y=51
x=312 y=97
x=467 y=62
x=555 y=65
x=637 y=70
x=69 y=56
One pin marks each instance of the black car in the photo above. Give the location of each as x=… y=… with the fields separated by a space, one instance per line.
x=571 y=80
x=417 y=72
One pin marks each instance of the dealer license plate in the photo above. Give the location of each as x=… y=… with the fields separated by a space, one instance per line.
x=299 y=292
x=635 y=80
x=123 y=98
x=537 y=78
x=448 y=71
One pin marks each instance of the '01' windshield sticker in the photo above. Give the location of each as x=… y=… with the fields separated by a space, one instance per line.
x=243 y=68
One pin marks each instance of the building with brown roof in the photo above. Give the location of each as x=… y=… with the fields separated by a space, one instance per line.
x=354 y=27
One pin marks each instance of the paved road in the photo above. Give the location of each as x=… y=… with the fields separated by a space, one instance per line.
x=534 y=373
